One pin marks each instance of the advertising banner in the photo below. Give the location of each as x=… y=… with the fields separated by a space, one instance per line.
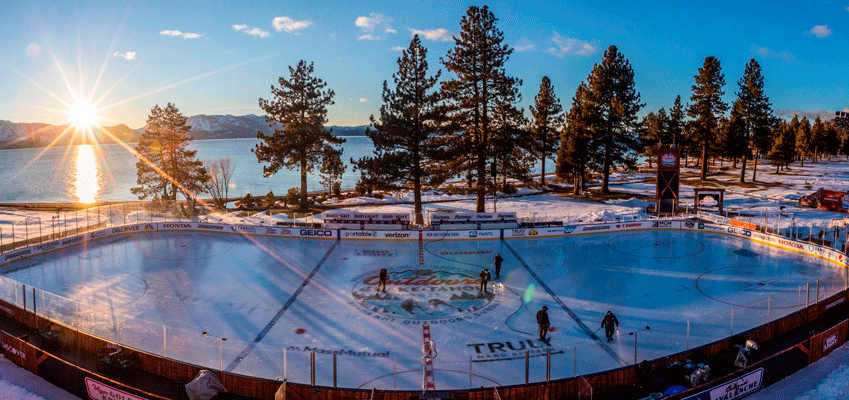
x=735 y=389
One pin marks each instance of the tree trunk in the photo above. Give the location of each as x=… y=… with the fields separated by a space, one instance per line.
x=417 y=199
x=542 y=173
x=480 y=186
x=303 y=205
x=743 y=168
x=606 y=169
x=576 y=181
x=755 y=168
x=704 y=161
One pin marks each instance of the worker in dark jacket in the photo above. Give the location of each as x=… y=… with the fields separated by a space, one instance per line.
x=498 y=260
x=382 y=278
x=542 y=321
x=485 y=278
x=610 y=324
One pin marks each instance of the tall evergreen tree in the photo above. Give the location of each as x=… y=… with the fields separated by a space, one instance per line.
x=803 y=138
x=707 y=108
x=818 y=137
x=677 y=128
x=406 y=149
x=547 y=113
x=481 y=87
x=654 y=134
x=616 y=103
x=751 y=114
x=575 y=156
x=166 y=166
x=300 y=107
x=784 y=146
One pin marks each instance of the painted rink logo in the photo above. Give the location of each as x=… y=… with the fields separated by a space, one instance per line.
x=418 y=295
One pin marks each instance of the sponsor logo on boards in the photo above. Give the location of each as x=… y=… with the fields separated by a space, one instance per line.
x=473 y=234
x=738 y=231
x=496 y=351
x=172 y=225
x=360 y=233
x=689 y=224
x=735 y=389
x=316 y=232
x=596 y=228
x=398 y=235
x=270 y=231
x=242 y=228
x=518 y=232
x=569 y=229
x=208 y=226
x=18 y=254
x=149 y=227
x=661 y=224
x=97 y=390
x=123 y=229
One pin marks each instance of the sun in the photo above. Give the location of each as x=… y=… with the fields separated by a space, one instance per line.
x=83 y=114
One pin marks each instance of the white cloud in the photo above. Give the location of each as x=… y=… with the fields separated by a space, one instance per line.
x=184 y=35
x=130 y=55
x=397 y=48
x=437 y=35
x=564 y=46
x=820 y=31
x=524 y=45
x=289 y=25
x=766 y=52
x=256 y=32
x=371 y=24
x=363 y=100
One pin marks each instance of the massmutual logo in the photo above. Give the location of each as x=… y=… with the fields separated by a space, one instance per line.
x=423 y=295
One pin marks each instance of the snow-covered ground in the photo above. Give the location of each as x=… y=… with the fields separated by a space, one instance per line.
x=761 y=201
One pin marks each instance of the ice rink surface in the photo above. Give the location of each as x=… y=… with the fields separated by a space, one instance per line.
x=276 y=300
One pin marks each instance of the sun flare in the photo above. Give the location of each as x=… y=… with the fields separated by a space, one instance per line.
x=83 y=114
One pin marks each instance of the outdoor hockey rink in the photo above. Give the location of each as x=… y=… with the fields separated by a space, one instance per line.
x=276 y=300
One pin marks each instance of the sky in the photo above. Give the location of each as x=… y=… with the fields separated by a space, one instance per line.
x=219 y=58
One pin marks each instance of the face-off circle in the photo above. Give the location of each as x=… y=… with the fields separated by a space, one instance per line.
x=430 y=293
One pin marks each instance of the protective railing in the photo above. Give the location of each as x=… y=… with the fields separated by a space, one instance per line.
x=528 y=362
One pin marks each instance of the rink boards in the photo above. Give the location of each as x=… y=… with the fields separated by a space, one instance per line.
x=809 y=249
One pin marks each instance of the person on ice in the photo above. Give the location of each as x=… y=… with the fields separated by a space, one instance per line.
x=610 y=324
x=498 y=260
x=485 y=278
x=382 y=278
x=542 y=321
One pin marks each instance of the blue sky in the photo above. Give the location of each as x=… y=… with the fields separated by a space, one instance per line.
x=221 y=57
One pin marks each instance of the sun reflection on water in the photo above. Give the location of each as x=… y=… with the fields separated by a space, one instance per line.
x=87 y=178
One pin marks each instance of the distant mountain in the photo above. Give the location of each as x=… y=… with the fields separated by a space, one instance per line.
x=244 y=126
x=25 y=135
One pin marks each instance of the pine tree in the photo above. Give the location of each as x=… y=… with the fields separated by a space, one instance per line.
x=300 y=107
x=405 y=137
x=166 y=166
x=751 y=116
x=677 y=127
x=616 y=103
x=784 y=146
x=547 y=114
x=575 y=156
x=480 y=88
x=803 y=139
x=818 y=138
x=707 y=108
x=332 y=169
x=654 y=134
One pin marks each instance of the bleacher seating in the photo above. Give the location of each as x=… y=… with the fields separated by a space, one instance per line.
x=366 y=221
x=473 y=221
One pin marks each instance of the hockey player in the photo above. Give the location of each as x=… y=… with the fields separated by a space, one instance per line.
x=610 y=324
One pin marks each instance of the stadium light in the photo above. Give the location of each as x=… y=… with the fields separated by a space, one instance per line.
x=635 y=341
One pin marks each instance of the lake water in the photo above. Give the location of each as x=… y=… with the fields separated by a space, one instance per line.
x=93 y=173
x=89 y=173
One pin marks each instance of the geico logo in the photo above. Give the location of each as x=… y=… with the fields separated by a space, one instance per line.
x=315 y=232
x=176 y=226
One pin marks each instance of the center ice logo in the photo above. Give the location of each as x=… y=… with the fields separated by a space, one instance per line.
x=423 y=295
